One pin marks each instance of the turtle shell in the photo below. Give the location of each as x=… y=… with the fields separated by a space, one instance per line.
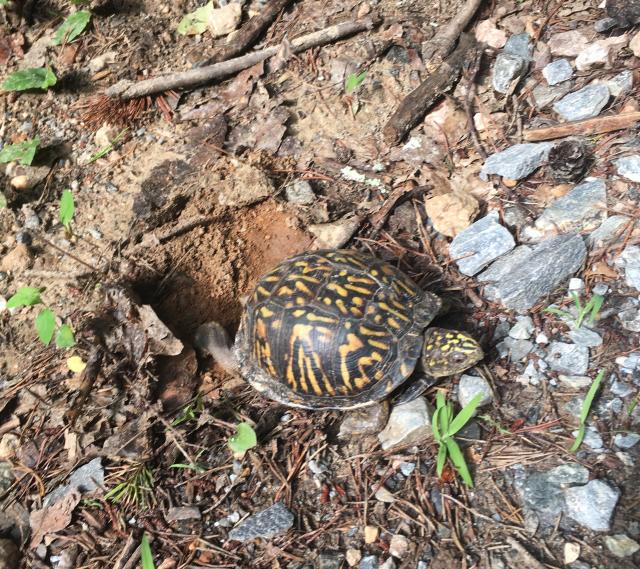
x=332 y=329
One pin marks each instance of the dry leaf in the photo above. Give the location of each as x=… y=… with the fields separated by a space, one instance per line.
x=53 y=518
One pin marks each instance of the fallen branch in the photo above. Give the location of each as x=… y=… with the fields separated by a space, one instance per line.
x=587 y=127
x=419 y=101
x=199 y=76
x=442 y=44
x=248 y=33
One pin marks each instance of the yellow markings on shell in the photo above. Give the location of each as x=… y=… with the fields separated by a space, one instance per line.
x=404 y=370
x=261 y=329
x=360 y=280
x=275 y=324
x=264 y=311
x=358 y=289
x=449 y=335
x=357 y=301
x=312 y=377
x=388 y=270
x=327 y=300
x=301 y=370
x=337 y=288
x=377 y=318
x=341 y=307
x=303 y=288
x=384 y=306
x=308 y=279
x=263 y=291
x=284 y=290
x=265 y=353
x=445 y=347
x=356 y=312
x=369 y=332
x=353 y=344
x=407 y=288
x=378 y=344
x=429 y=347
x=398 y=305
x=342 y=273
x=327 y=384
x=371 y=359
x=300 y=300
x=314 y=268
x=298 y=313
x=271 y=278
x=317 y=318
x=393 y=323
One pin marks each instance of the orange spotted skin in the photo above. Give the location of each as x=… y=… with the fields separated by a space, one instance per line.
x=332 y=329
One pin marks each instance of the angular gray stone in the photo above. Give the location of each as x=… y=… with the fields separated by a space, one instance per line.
x=621 y=545
x=575 y=381
x=369 y=562
x=592 y=505
x=557 y=71
x=585 y=103
x=543 y=95
x=275 y=520
x=408 y=423
x=506 y=69
x=568 y=358
x=522 y=329
x=581 y=209
x=515 y=350
x=629 y=259
x=472 y=385
x=629 y=363
x=626 y=440
x=499 y=270
x=604 y=25
x=482 y=242
x=529 y=275
x=620 y=84
x=620 y=388
x=519 y=44
x=609 y=231
x=517 y=161
x=630 y=318
x=592 y=438
x=300 y=193
x=585 y=337
x=629 y=167
x=86 y=479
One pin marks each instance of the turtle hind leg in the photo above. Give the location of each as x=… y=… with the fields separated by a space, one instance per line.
x=212 y=339
x=415 y=389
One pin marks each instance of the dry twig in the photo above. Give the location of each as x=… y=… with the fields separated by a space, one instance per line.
x=443 y=43
x=588 y=127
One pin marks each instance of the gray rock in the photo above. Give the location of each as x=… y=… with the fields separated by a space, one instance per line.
x=592 y=438
x=507 y=69
x=621 y=545
x=585 y=337
x=515 y=350
x=407 y=468
x=369 y=562
x=482 y=242
x=626 y=440
x=592 y=505
x=568 y=358
x=9 y=554
x=604 y=25
x=620 y=84
x=581 y=209
x=514 y=216
x=498 y=271
x=275 y=520
x=576 y=284
x=630 y=319
x=519 y=44
x=86 y=479
x=609 y=231
x=629 y=363
x=517 y=161
x=522 y=329
x=584 y=103
x=399 y=546
x=543 y=95
x=179 y=513
x=575 y=381
x=629 y=259
x=629 y=167
x=300 y=193
x=526 y=277
x=600 y=289
x=369 y=420
x=568 y=44
x=472 y=385
x=330 y=560
x=408 y=423
x=557 y=71
x=621 y=388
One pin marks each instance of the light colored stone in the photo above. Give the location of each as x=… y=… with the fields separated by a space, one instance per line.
x=222 y=21
x=353 y=557
x=487 y=33
x=629 y=167
x=17 y=260
x=452 y=212
x=336 y=234
x=629 y=259
x=557 y=71
x=472 y=385
x=517 y=161
x=522 y=329
x=585 y=103
x=626 y=440
x=408 y=423
x=571 y=552
x=568 y=358
x=592 y=505
x=568 y=44
x=368 y=420
x=621 y=545
x=575 y=381
x=399 y=546
x=371 y=534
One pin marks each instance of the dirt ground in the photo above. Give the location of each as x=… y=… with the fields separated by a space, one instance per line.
x=186 y=214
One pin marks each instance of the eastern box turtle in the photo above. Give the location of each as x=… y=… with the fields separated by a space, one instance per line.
x=339 y=329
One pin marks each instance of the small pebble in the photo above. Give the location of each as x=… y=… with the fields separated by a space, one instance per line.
x=399 y=546
x=353 y=557
x=371 y=534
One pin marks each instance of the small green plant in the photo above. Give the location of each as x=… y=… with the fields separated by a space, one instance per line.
x=190 y=412
x=136 y=490
x=586 y=408
x=72 y=27
x=146 y=557
x=444 y=427
x=196 y=22
x=24 y=152
x=109 y=147
x=591 y=308
x=353 y=81
x=33 y=78
x=244 y=439
x=45 y=320
x=195 y=466
x=67 y=209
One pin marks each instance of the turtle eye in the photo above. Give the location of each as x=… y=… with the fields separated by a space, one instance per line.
x=458 y=358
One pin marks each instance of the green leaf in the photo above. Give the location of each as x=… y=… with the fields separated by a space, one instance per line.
x=244 y=439
x=588 y=400
x=442 y=457
x=72 y=27
x=4 y=2
x=437 y=435
x=46 y=325
x=33 y=78
x=24 y=152
x=459 y=462
x=353 y=81
x=558 y=312
x=146 y=557
x=465 y=414
x=67 y=208
x=195 y=22
x=595 y=304
x=25 y=296
x=64 y=337
x=3 y=201
x=580 y=436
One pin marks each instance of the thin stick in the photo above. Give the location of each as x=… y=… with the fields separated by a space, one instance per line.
x=419 y=101
x=588 y=127
x=195 y=77
x=248 y=33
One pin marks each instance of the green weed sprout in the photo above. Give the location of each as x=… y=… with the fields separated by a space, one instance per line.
x=591 y=308
x=586 y=408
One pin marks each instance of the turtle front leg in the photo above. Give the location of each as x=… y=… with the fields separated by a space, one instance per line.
x=417 y=386
x=212 y=339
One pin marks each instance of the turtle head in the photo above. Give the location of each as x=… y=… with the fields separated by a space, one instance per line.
x=447 y=352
